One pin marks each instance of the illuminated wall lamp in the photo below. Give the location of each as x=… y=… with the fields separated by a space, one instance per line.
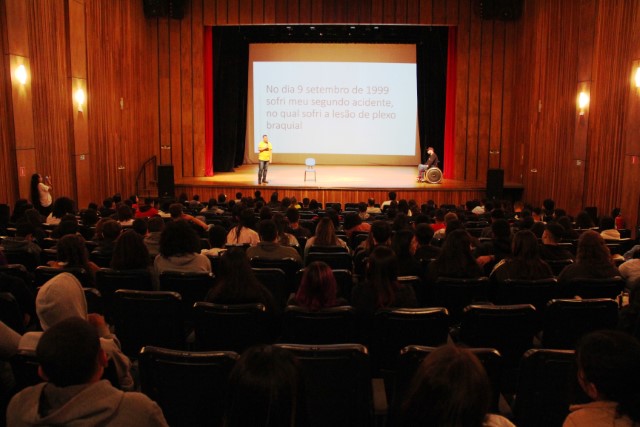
x=21 y=74
x=636 y=78
x=583 y=102
x=80 y=97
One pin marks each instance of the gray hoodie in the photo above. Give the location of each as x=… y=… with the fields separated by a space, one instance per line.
x=60 y=298
x=96 y=404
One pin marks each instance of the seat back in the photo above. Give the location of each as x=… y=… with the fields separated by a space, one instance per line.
x=44 y=274
x=11 y=313
x=535 y=292
x=566 y=320
x=108 y=281
x=190 y=387
x=609 y=287
x=546 y=387
x=192 y=286
x=337 y=384
x=28 y=259
x=507 y=328
x=19 y=271
x=335 y=325
x=396 y=329
x=455 y=294
x=148 y=318
x=558 y=264
x=410 y=358
x=232 y=327
x=289 y=266
x=335 y=260
x=275 y=280
x=101 y=259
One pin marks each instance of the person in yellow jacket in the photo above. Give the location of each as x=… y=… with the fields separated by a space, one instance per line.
x=264 y=157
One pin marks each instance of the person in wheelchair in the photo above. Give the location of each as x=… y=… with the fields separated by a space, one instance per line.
x=432 y=162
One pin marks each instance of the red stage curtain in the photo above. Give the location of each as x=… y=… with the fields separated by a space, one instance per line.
x=450 y=114
x=208 y=101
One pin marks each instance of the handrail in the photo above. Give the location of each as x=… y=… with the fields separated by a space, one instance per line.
x=143 y=173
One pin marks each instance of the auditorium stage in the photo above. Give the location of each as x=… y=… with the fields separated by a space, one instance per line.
x=335 y=183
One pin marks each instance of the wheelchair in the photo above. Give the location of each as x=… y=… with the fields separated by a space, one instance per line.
x=432 y=176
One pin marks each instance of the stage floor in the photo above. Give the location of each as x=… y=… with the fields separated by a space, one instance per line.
x=331 y=177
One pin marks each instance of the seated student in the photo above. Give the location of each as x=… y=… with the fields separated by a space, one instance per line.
x=630 y=269
x=72 y=252
x=550 y=250
x=609 y=373
x=23 y=241
x=147 y=210
x=524 y=263
x=180 y=250
x=607 y=228
x=152 y=239
x=593 y=260
x=130 y=252
x=62 y=297
x=451 y=388
x=72 y=363
x=424 y=249
x=243 y=233
x=237 y=284
x=177 y=213
x=217 y=237
x=107 y=231
x=318 y=288
x=293 y=215
x=269 y=247
x=325 y=236
x=265 y=389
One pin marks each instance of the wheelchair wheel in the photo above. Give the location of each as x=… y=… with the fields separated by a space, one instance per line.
x=434 y=176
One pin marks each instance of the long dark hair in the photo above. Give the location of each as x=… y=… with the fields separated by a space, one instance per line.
x=526 y=252
x=318 y=287
x=455 y=259
x=35 y=193
x=265 y=389
x=382 y=275
x=130 y=252
x=593 y=250
x=236 y=281
x=451 y=388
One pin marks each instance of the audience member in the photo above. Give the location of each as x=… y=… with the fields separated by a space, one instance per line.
x=325 y=236
x=23 y=241
x=584 y=221
x=569 y=232
x=61 y=207
x=107 y=231
x=67 y=225
x=237 y=284
x=266 y=389
x=130 y=252
x=381 y=288
x=217 y=238
x=318 y=288
x=593 y=260
x=609 y=373
x=630 y=269
x=629 y=318
x=177 y=213
x=72 y=252
x=524 y=263
x=550 y=248
x=243 y=233
x=124 y=215
x=403 y=244
x=62 y=297
x=284 y=238
x=353 y=224
x=451 y=388
x=152 y=239
x=269 y=247
x=607 y=228
x=455 y=259
x=72 y=362
x=180 y=250
x=108 y=208
x=293 y=215
x=425 y=250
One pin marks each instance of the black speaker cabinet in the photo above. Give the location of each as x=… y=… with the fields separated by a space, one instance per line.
x=163 y=8
x=166 y=184
x=503 y=10
x=495 y=183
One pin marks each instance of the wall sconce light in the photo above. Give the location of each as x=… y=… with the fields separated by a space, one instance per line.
x=583 y=102
x=636 y=77
x=21 y=74
x=80 y=97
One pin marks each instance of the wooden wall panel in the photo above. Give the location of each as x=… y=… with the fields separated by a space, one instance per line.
x=505 y=70
x=51 y=89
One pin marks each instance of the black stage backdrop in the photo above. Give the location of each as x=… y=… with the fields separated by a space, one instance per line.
x=231 y=70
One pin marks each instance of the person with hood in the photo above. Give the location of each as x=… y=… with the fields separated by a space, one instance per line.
x=62 y=297
x=72 y=362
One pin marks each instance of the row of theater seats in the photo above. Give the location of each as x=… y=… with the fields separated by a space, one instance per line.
x=190 y=387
